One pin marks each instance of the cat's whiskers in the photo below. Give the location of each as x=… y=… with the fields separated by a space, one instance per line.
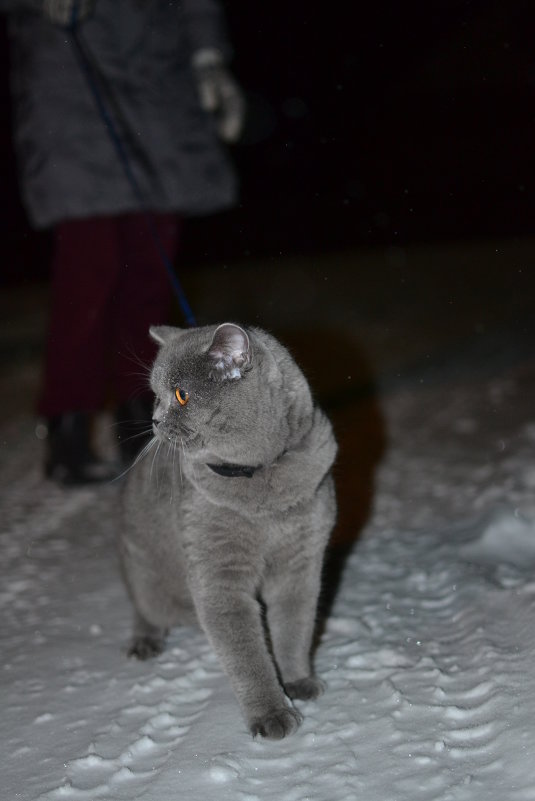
x=174 y=447
x=147 y=426
x=156 y=452
x=133 y=357
x=180 y=457
x=171 y=457
x=143 y=452
x=141 y=455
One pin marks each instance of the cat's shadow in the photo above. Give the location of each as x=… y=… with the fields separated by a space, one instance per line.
x=343 y=383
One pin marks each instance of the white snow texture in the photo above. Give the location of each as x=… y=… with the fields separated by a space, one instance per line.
x=427 y=655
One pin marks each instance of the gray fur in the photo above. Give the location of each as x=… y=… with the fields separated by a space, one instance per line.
x=196 y=545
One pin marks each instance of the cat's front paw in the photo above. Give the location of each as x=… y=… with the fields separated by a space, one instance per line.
x=276 y=724
x=304 y=689
x=146 y=647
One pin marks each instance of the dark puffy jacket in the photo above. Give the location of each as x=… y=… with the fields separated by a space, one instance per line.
x=142 y=49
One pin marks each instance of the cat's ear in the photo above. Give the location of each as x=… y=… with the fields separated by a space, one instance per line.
x=230 y=352
x=164 y=333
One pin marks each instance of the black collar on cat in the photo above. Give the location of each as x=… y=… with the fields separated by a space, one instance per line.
x=233 y=470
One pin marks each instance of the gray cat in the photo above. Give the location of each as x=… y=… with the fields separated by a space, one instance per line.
x=233 y=509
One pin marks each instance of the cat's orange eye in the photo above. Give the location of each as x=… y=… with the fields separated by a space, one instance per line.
x=182 y=396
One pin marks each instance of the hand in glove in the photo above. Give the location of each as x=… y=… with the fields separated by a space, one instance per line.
x=219 y=93
x=67 y=12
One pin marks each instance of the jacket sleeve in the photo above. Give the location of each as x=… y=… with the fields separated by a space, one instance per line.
x=205 y=26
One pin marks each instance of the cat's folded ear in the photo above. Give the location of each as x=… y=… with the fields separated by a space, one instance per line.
x=230 y=352
x=164 y=333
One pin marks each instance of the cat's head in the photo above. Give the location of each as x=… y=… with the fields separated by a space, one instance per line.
x=226 y=393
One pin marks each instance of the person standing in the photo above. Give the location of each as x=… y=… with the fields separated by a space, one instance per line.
x=161 y=70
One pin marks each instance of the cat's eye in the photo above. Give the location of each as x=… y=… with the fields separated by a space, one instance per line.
x=182 y=396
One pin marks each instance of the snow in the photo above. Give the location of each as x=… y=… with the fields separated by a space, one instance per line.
x=427 y=654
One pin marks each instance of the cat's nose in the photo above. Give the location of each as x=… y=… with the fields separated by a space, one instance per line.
x=155 y=422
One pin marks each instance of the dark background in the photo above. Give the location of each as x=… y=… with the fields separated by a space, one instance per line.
x=381 y=123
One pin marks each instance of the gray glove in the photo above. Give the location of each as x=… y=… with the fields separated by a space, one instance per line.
x=65 y=12
x=219 y=93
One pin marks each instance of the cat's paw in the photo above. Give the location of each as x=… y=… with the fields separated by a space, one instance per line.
x=304 y=689
x=146 y=647
x=276 y=724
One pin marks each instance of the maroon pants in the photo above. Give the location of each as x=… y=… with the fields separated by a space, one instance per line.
x=108 y=286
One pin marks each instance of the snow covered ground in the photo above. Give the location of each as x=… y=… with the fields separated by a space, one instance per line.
x=428 y=654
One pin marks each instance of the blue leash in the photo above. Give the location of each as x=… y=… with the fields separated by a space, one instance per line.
x=91 y=75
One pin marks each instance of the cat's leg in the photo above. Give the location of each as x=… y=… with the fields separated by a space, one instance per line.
x=147 y=640
x=291 y=598
x=230 y=616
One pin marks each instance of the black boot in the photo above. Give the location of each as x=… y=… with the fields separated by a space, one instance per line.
x=69 y=458
x=134 y=427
